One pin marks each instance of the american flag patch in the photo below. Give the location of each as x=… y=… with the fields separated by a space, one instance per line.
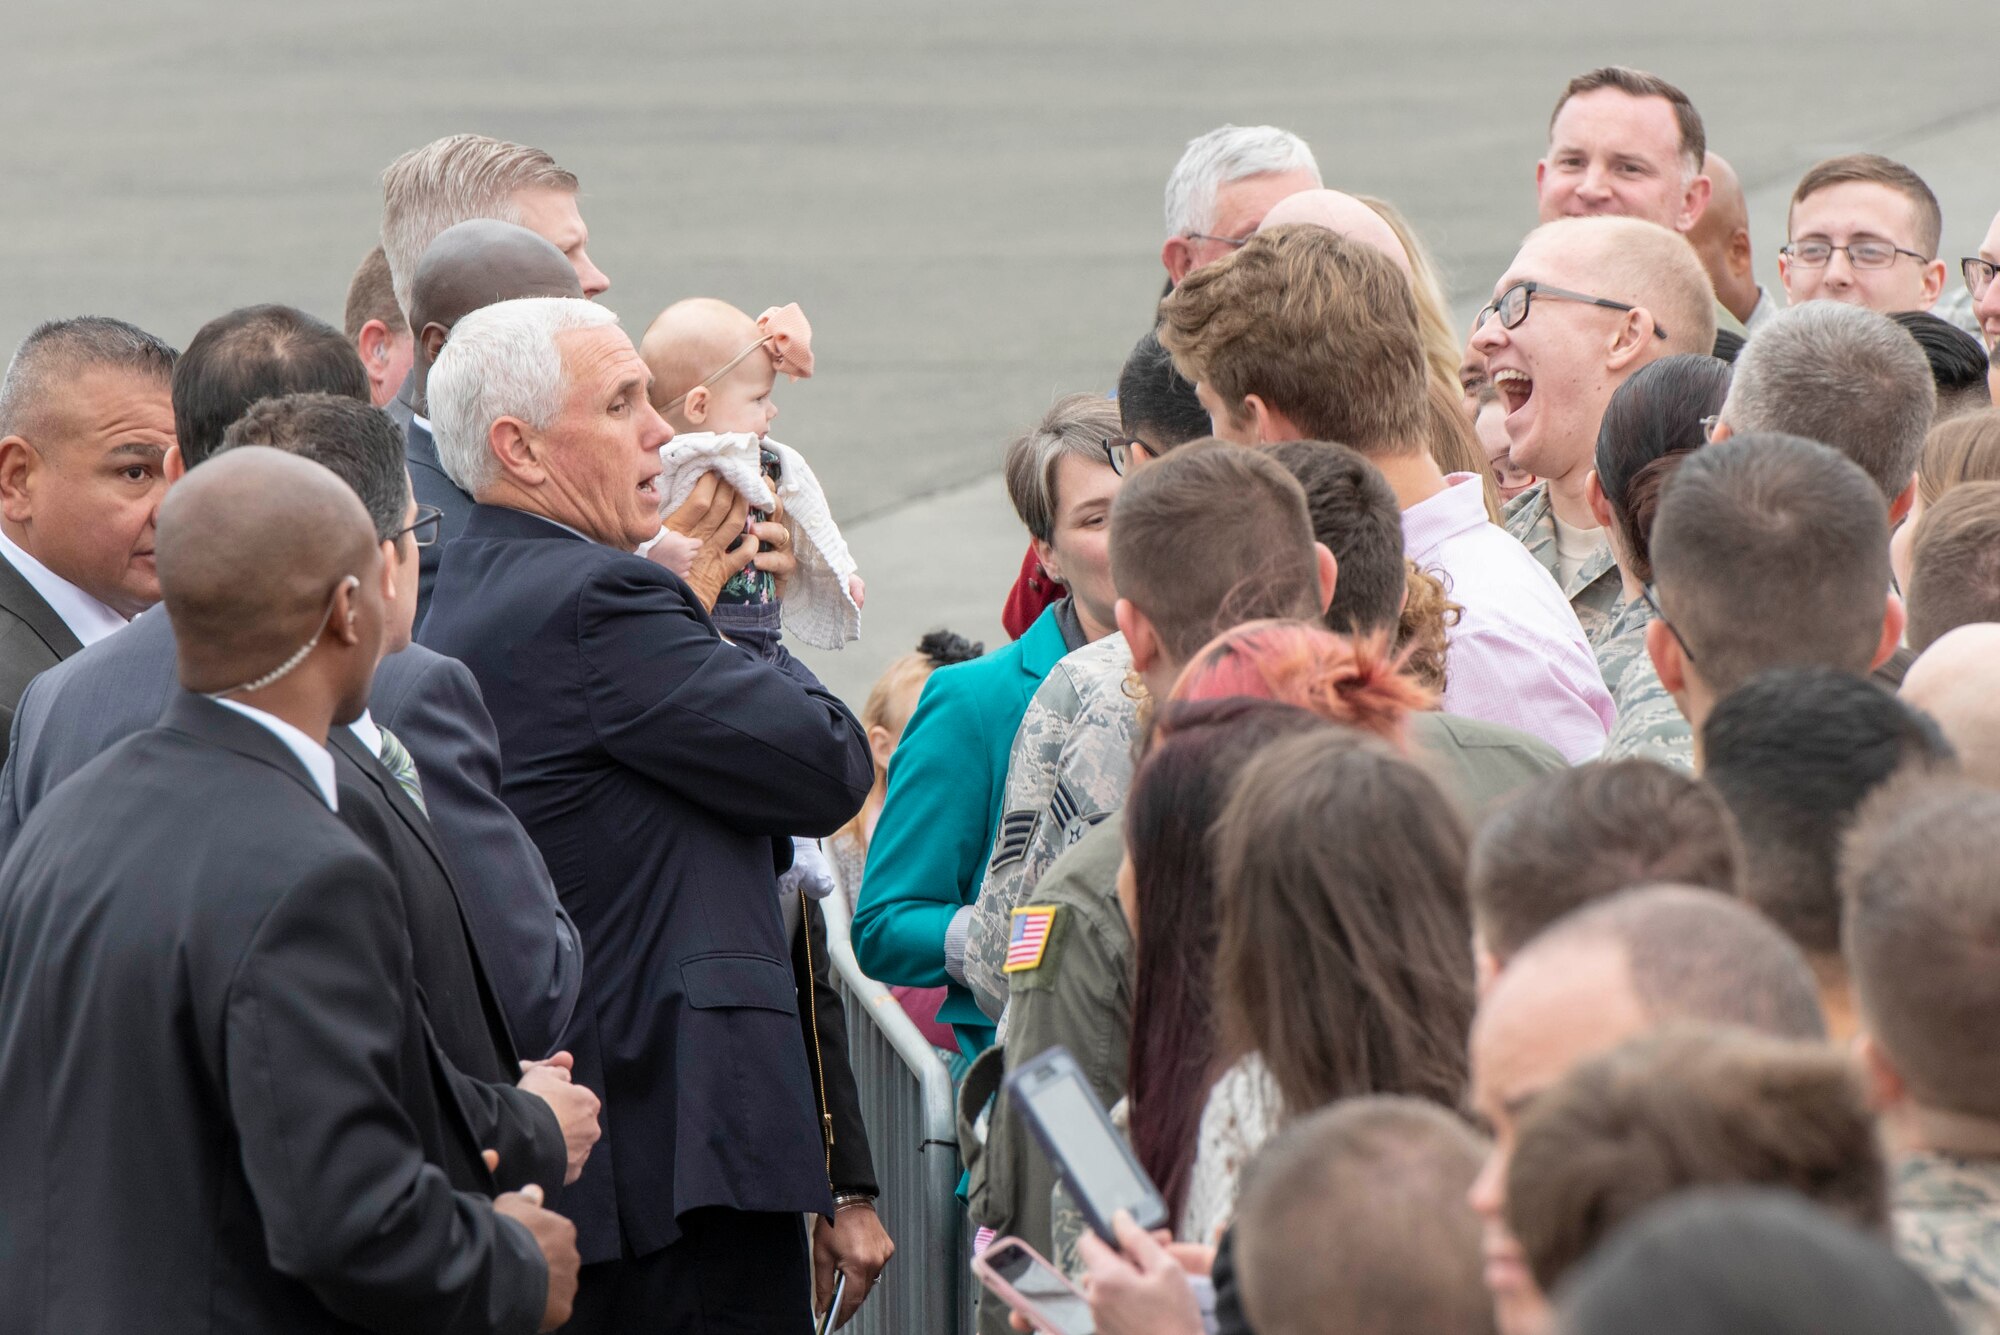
x=1029 y=937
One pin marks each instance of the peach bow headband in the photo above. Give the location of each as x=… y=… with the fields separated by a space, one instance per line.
x=783 y=332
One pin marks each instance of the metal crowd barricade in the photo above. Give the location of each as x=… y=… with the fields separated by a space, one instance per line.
x=907 y=1103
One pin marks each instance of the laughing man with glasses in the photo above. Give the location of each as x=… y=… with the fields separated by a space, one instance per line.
x=1586 y=303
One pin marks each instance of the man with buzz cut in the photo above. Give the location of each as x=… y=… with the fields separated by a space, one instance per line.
x=1923 y=944
x=1586 y=303
x=1863 y=229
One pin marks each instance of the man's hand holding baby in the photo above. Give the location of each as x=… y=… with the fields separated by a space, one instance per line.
x=714 y=515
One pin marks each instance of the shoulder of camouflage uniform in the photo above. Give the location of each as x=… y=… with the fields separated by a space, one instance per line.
x=1622 y=642
x=1650 y=725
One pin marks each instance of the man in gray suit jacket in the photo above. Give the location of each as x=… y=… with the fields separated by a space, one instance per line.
x=427 y=702
x=86 y=422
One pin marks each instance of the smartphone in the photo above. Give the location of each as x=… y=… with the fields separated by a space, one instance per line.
x=1034 y=1288
x=1076 y=1133
x=832 y=1313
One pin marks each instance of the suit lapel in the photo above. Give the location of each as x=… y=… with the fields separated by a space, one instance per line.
x=346 y=743
x=19 y=597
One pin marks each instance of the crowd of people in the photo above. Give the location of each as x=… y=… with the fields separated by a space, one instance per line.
x=1504 y=816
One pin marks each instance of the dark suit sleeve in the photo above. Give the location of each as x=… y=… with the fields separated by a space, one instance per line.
x=823 y=1023
x=518 y=1126
x=526 y=941
x=704 y=718
x=314 y=1027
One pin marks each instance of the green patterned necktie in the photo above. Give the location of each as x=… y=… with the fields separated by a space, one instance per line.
x=396 y=759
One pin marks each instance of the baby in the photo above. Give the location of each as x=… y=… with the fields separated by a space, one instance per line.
x=713 y=372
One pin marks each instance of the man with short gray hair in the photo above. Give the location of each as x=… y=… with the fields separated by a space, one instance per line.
x=1846 y=377
x=662 y=770
x=86 y=423
x=1222 y=187
x=464 y=176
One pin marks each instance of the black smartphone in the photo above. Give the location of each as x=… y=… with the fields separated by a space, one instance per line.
x=1093 y=1160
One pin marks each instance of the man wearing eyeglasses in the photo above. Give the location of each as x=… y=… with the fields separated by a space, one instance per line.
x=1864 y=230
x=1979 y=272
x=1586 y=303
x=1222 y=187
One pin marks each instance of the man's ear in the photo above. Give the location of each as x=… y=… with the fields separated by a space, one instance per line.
x=1893 y=621
x=1178 y=257
x=19 y=462
x=173 y=465
x=1785 y=276
x=1695 y=203
x=1885 y=1083
x=1740 y=261
x=1668 y=661
x=433 y=340
x=391 y=559
x=517 y=451
x=1899 y=509
x=1632 y=340
x=695 y=406
x=1933 y=282
x=344 y=623
x=1600 y=504
x=1541 y=172
x=1139 y=635
x=1723 y=431
x=1329 y=575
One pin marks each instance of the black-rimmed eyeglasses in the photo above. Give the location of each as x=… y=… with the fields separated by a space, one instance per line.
x=424 y=529
x=1120 y=451
x=1653 y=604
x=1512 y=305
x=1978 y=275
x=1860 y=254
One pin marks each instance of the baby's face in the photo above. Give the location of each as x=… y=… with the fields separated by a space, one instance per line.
x=741 y=400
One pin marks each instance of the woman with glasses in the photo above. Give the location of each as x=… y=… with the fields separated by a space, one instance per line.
x=1653 y=421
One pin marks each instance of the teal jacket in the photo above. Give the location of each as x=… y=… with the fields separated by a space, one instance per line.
x=928 y=855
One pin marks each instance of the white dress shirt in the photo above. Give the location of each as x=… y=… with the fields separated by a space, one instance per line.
x=87 y=619
x=368 y=733
x=316 y=758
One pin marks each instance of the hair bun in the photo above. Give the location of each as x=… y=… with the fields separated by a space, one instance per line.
x=944 y=647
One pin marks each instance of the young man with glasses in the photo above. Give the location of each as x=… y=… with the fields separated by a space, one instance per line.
x=1585 y=304
x=1978 y=271
x=1863 y=230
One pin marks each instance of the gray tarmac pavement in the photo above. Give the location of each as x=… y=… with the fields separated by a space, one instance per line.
x=965 y=199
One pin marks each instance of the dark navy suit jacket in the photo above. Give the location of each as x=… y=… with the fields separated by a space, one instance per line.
x=655 y=763
x=525 y=943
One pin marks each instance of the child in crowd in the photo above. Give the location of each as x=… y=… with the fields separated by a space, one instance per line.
x=713 y=372
x=891 y=701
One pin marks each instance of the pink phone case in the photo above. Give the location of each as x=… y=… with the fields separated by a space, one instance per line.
x=1013 y=1298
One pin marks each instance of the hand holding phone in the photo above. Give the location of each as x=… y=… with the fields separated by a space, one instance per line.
x=1093 y=1160
x=1031 y=1286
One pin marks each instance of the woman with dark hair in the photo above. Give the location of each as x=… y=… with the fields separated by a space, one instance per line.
x=1167 y=886
x=1653 y=421
x=1343 y=964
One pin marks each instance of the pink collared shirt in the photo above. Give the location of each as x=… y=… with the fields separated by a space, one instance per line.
x=1517 y=655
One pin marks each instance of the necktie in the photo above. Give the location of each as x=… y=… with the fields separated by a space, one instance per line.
x=397 y=760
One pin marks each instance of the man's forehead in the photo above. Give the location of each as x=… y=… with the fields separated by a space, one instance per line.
x=1858 y=206
x=604 y=353
x=99 y=398
x=1559 y=259
x=1612 y=119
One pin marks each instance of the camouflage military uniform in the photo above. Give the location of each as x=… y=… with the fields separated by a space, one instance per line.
x=1623 y=639
x=1078 y=993
x=1650 y=725
x=1070 y=766
x=1596 y=591
x=1947 y=1213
